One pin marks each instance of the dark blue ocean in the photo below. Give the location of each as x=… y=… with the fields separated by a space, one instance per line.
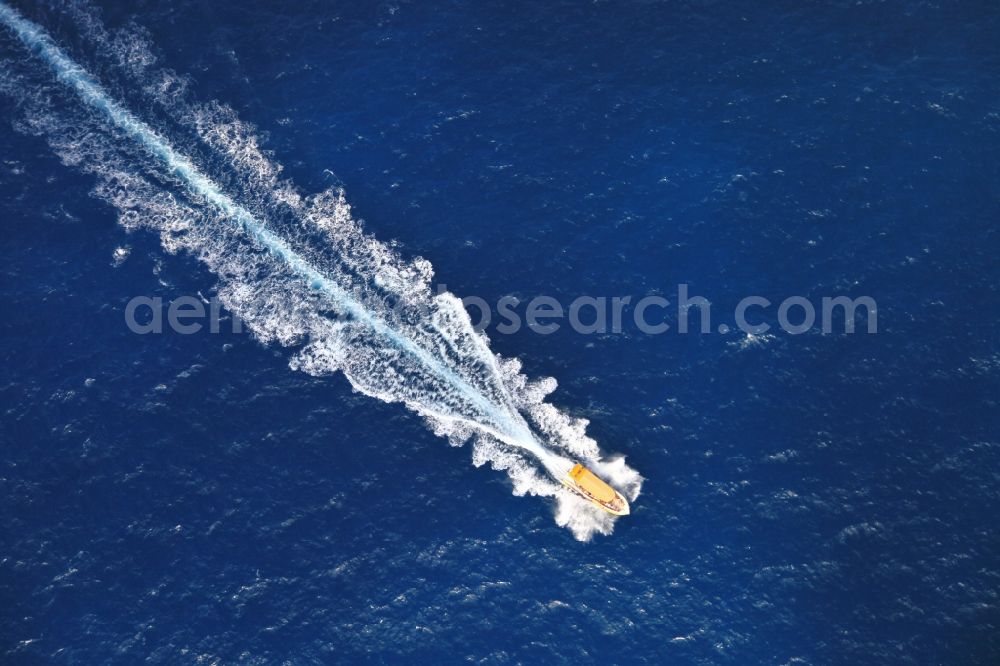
x=814 y=498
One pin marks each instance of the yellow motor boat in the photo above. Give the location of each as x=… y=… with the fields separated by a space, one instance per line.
x=590 y=487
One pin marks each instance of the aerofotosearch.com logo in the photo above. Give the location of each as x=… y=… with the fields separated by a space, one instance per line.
x=587 y=315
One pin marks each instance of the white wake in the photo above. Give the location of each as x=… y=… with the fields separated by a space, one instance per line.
x=298 y=270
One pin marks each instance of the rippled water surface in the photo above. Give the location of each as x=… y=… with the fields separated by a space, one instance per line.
x=251 y=497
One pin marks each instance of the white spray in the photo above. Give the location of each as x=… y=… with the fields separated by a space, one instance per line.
x=466 y=391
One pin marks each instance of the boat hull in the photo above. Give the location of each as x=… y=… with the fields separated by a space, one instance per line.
x=584 y=483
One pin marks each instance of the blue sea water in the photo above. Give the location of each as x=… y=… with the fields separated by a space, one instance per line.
x=808 y=499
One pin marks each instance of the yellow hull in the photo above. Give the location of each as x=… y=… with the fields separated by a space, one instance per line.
x=590 y=487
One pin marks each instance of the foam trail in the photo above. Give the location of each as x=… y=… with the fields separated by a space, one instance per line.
x=67 y=71
x=317 y=257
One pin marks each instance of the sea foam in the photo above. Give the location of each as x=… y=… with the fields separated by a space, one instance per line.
x=298 y=269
